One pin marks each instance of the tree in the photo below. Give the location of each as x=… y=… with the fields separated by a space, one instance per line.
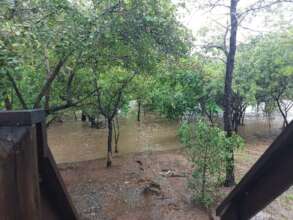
x=140 y=35
x=110 y=92
x=273 y=57
x=236 y=16
x=51 y=35
x=188 y=88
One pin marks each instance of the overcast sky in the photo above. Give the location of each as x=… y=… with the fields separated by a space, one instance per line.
x=263 y=22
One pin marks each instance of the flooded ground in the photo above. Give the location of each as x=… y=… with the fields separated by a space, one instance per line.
x=74 y=141
x=134 y=188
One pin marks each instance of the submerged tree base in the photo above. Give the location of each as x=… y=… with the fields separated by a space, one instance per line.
x=109 y=164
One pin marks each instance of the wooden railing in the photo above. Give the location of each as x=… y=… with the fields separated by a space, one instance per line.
x=31 y=187
x=269 y=177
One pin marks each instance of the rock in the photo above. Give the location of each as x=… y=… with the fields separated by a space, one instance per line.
x=139 y=162
x=153 y=188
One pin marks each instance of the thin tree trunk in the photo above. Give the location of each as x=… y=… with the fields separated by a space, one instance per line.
x=49 y=81
x=83 y=116
x=109 y=153
x=75 y=116
x=204 y=175
x=283 y=113
x=17 y=92
x=47 y=99
x=116 y=133
x=47 y=93
x=230 y=178
x=8 y=103
x=242 y=119
x=138 y=110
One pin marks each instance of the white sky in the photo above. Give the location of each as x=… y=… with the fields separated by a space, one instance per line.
x=196 y=19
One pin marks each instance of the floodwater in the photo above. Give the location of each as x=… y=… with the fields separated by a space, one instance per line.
x=74 y=141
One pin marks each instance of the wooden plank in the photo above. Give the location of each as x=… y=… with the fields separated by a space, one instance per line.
x=21 y=118
x=266 y=180
x=55 y=189
x=48 y=210
x=233 y=212
x=276 y=180
x=52 y=184
x=8 y=195
x=19 y=197
x=27 y=177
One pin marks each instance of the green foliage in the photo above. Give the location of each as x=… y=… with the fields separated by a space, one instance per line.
x=185 y=87
x=273 y=61
x=264 y=72
x=36 y=35
x=207 y=148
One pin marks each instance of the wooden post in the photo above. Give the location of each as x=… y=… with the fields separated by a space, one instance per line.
x=31 y=187
x=266 y=180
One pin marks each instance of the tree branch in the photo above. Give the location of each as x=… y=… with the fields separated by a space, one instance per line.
x=68 y=104
x=18 y=93
x=50 y=80
x=260 y=5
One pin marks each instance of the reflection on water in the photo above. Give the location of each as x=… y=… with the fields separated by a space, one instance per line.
x=76 y=141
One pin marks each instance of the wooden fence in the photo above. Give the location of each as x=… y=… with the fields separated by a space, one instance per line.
x=269 y=177
x=31 y=187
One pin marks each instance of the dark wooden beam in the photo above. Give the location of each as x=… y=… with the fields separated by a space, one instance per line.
x=21 y=118
x=54 y=189
x=270 y=176
x=19 y=179
x=31 y=187
x=52 y=185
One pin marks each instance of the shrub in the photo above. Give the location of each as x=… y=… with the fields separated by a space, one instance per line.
x=207 y=149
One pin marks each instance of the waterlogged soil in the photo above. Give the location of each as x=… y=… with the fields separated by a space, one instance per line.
x=153 y=186
x=140 y=186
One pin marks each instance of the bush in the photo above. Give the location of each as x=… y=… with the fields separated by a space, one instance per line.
x=207 y=149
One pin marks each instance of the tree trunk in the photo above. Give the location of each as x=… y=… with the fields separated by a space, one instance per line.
x=110 y=131
x=49 y=81
x=83 y=116
x=93 y=122
x=8 y=103
x=283 y=113
x=47 y=100
x=75 y=116
x=17 y=91
x=116 y=133
x=243 y=110
x=230 y=178
x=138 y=110
x=204 y=175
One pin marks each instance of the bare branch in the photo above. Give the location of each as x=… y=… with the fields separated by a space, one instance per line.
x=260 y=5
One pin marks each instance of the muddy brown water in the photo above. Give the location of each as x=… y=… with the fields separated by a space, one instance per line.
x=74 y=141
